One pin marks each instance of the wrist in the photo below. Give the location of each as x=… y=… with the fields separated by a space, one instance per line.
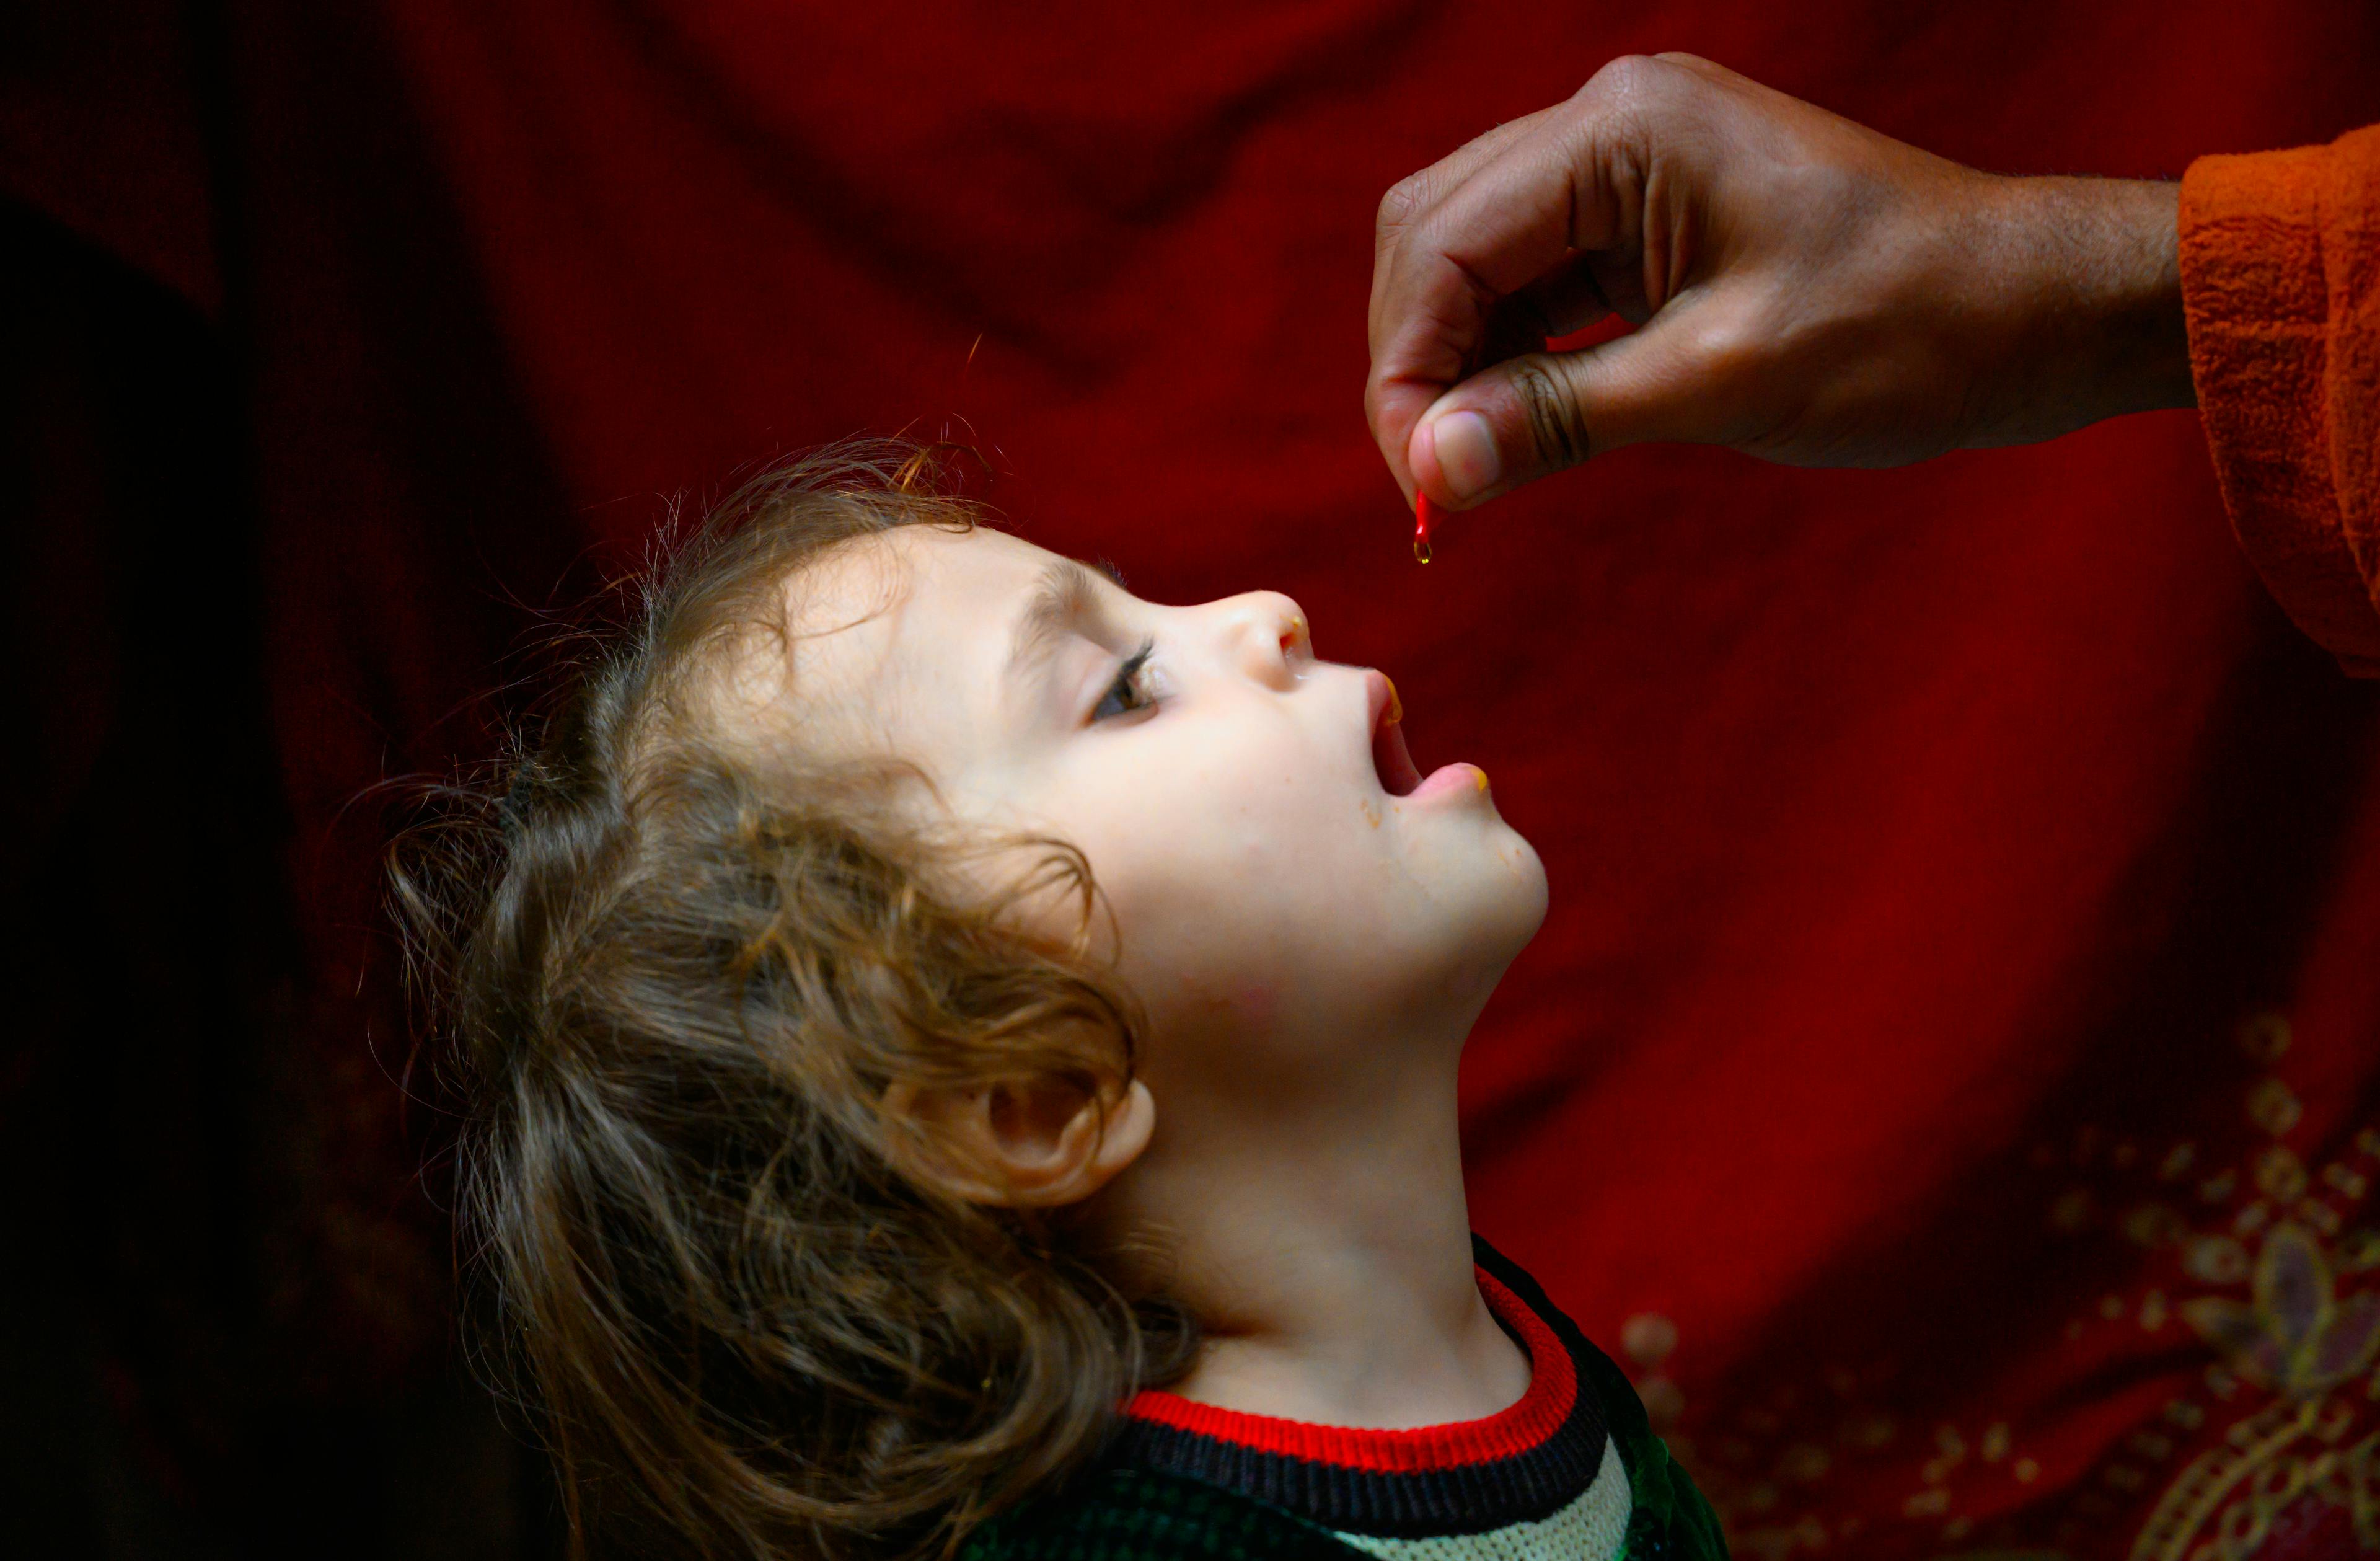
x=2086 y=276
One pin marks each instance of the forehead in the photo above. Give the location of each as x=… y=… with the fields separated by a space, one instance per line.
x=897 y=642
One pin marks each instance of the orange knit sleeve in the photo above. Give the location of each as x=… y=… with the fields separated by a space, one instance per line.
x=2280 y=279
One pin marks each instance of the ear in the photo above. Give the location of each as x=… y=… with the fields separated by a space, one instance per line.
x=1028 y=1144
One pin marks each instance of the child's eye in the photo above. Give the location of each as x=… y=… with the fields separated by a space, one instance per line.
x=1130 y=691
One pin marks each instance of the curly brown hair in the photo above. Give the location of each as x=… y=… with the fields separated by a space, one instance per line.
x=679 y=984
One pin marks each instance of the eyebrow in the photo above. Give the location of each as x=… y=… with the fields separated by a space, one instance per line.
x=1066 y=594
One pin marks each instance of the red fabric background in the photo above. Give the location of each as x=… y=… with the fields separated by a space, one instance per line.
x=1935 y=854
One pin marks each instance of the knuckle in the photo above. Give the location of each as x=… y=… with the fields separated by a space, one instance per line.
x=1556 y=427
x=1625 y=78
x=1640 y=90
x=1404 y=202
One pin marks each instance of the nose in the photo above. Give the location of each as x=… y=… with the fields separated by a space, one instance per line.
x=1268 y=636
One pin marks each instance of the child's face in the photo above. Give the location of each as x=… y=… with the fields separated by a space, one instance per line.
x=1289 y=896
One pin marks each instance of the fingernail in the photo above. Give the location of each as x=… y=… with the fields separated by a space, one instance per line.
x=1467 y=454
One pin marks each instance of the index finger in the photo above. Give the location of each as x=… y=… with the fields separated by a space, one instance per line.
x=1540 y=196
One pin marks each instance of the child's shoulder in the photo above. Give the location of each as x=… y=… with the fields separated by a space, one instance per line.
x=1669 y=1518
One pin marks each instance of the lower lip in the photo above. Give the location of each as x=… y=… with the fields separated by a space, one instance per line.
x=1449 y=779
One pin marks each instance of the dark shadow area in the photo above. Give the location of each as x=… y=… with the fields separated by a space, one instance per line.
x=143 y=1412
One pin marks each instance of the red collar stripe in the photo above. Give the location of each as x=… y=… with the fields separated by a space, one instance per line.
x=1526 y=1425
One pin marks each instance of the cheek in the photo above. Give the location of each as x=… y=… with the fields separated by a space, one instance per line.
x=1238 y=804
x=1240 y=866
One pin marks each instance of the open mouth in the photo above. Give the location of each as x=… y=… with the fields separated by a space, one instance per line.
x=1391 y=759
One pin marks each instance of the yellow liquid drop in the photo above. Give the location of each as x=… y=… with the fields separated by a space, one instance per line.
x=1421 y=551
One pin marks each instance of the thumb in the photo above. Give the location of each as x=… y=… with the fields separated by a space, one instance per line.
x=1543 y=412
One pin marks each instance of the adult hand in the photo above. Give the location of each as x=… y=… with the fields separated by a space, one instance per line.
x=1803 y=289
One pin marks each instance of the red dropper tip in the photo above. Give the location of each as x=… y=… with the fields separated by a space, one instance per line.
x=1425 y=517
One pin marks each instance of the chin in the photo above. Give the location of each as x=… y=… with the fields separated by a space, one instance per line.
x=1504 y=907
x=1524 y=892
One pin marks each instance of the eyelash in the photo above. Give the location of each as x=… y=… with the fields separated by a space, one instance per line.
x=1127 y=683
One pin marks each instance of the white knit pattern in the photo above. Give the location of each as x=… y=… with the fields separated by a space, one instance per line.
x=1589 y=1528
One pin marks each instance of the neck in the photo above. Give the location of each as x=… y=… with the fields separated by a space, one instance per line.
x=1328 y=1257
